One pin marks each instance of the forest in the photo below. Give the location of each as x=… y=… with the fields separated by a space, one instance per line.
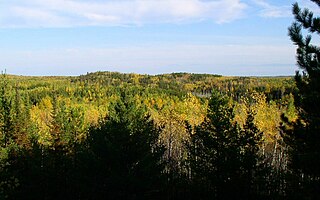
x=175 y=136
x=110 y=135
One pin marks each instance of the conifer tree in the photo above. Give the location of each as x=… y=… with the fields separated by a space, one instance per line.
x=223 y=157
x=5 y=114
x=304 y=135
x=123 y=159
x=8 y=182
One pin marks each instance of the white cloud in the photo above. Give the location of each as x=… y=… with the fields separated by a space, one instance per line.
x=57 y=13
x=271 y=11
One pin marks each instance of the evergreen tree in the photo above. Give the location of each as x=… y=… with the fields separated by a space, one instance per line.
x=122 y=160
x=304 y=135
x=8 y=147
x=251 y=172
x=6 y=125
x=223 y=158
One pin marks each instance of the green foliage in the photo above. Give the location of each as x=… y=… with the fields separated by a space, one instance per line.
x=6 y=125
x=303 y=135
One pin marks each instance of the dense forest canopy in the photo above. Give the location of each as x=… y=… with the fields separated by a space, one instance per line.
x=140 y=136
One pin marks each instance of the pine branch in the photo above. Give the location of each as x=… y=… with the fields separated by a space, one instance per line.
x=295 y=34
x=306 y=18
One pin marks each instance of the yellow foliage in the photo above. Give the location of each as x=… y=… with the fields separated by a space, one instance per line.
x=41 y=116
x=171 y=115
x=92 y=115
x=267 y=115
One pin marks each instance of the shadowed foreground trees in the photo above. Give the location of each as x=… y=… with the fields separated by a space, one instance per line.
x=119 y=160
x=122 y=159
x=124 y=154
x=224 y=158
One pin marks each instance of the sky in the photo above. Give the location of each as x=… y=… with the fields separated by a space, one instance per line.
x=73 y=37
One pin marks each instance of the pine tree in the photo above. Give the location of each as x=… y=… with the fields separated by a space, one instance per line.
x=250 y=139
x=215 y=152
x=123 y=160
x=304 y=135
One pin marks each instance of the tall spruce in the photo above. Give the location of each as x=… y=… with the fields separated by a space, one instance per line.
x=223 y=157
x=303 y=136
x=123 y=160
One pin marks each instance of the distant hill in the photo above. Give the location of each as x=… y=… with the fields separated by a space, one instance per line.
x=200 y=84
x=174 y=83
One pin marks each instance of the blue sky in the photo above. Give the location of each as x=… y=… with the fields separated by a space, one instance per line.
x=72 y=37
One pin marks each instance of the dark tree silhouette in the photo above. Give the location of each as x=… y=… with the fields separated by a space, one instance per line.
x=122 y=160
x=223 y=157
x=303 y=135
